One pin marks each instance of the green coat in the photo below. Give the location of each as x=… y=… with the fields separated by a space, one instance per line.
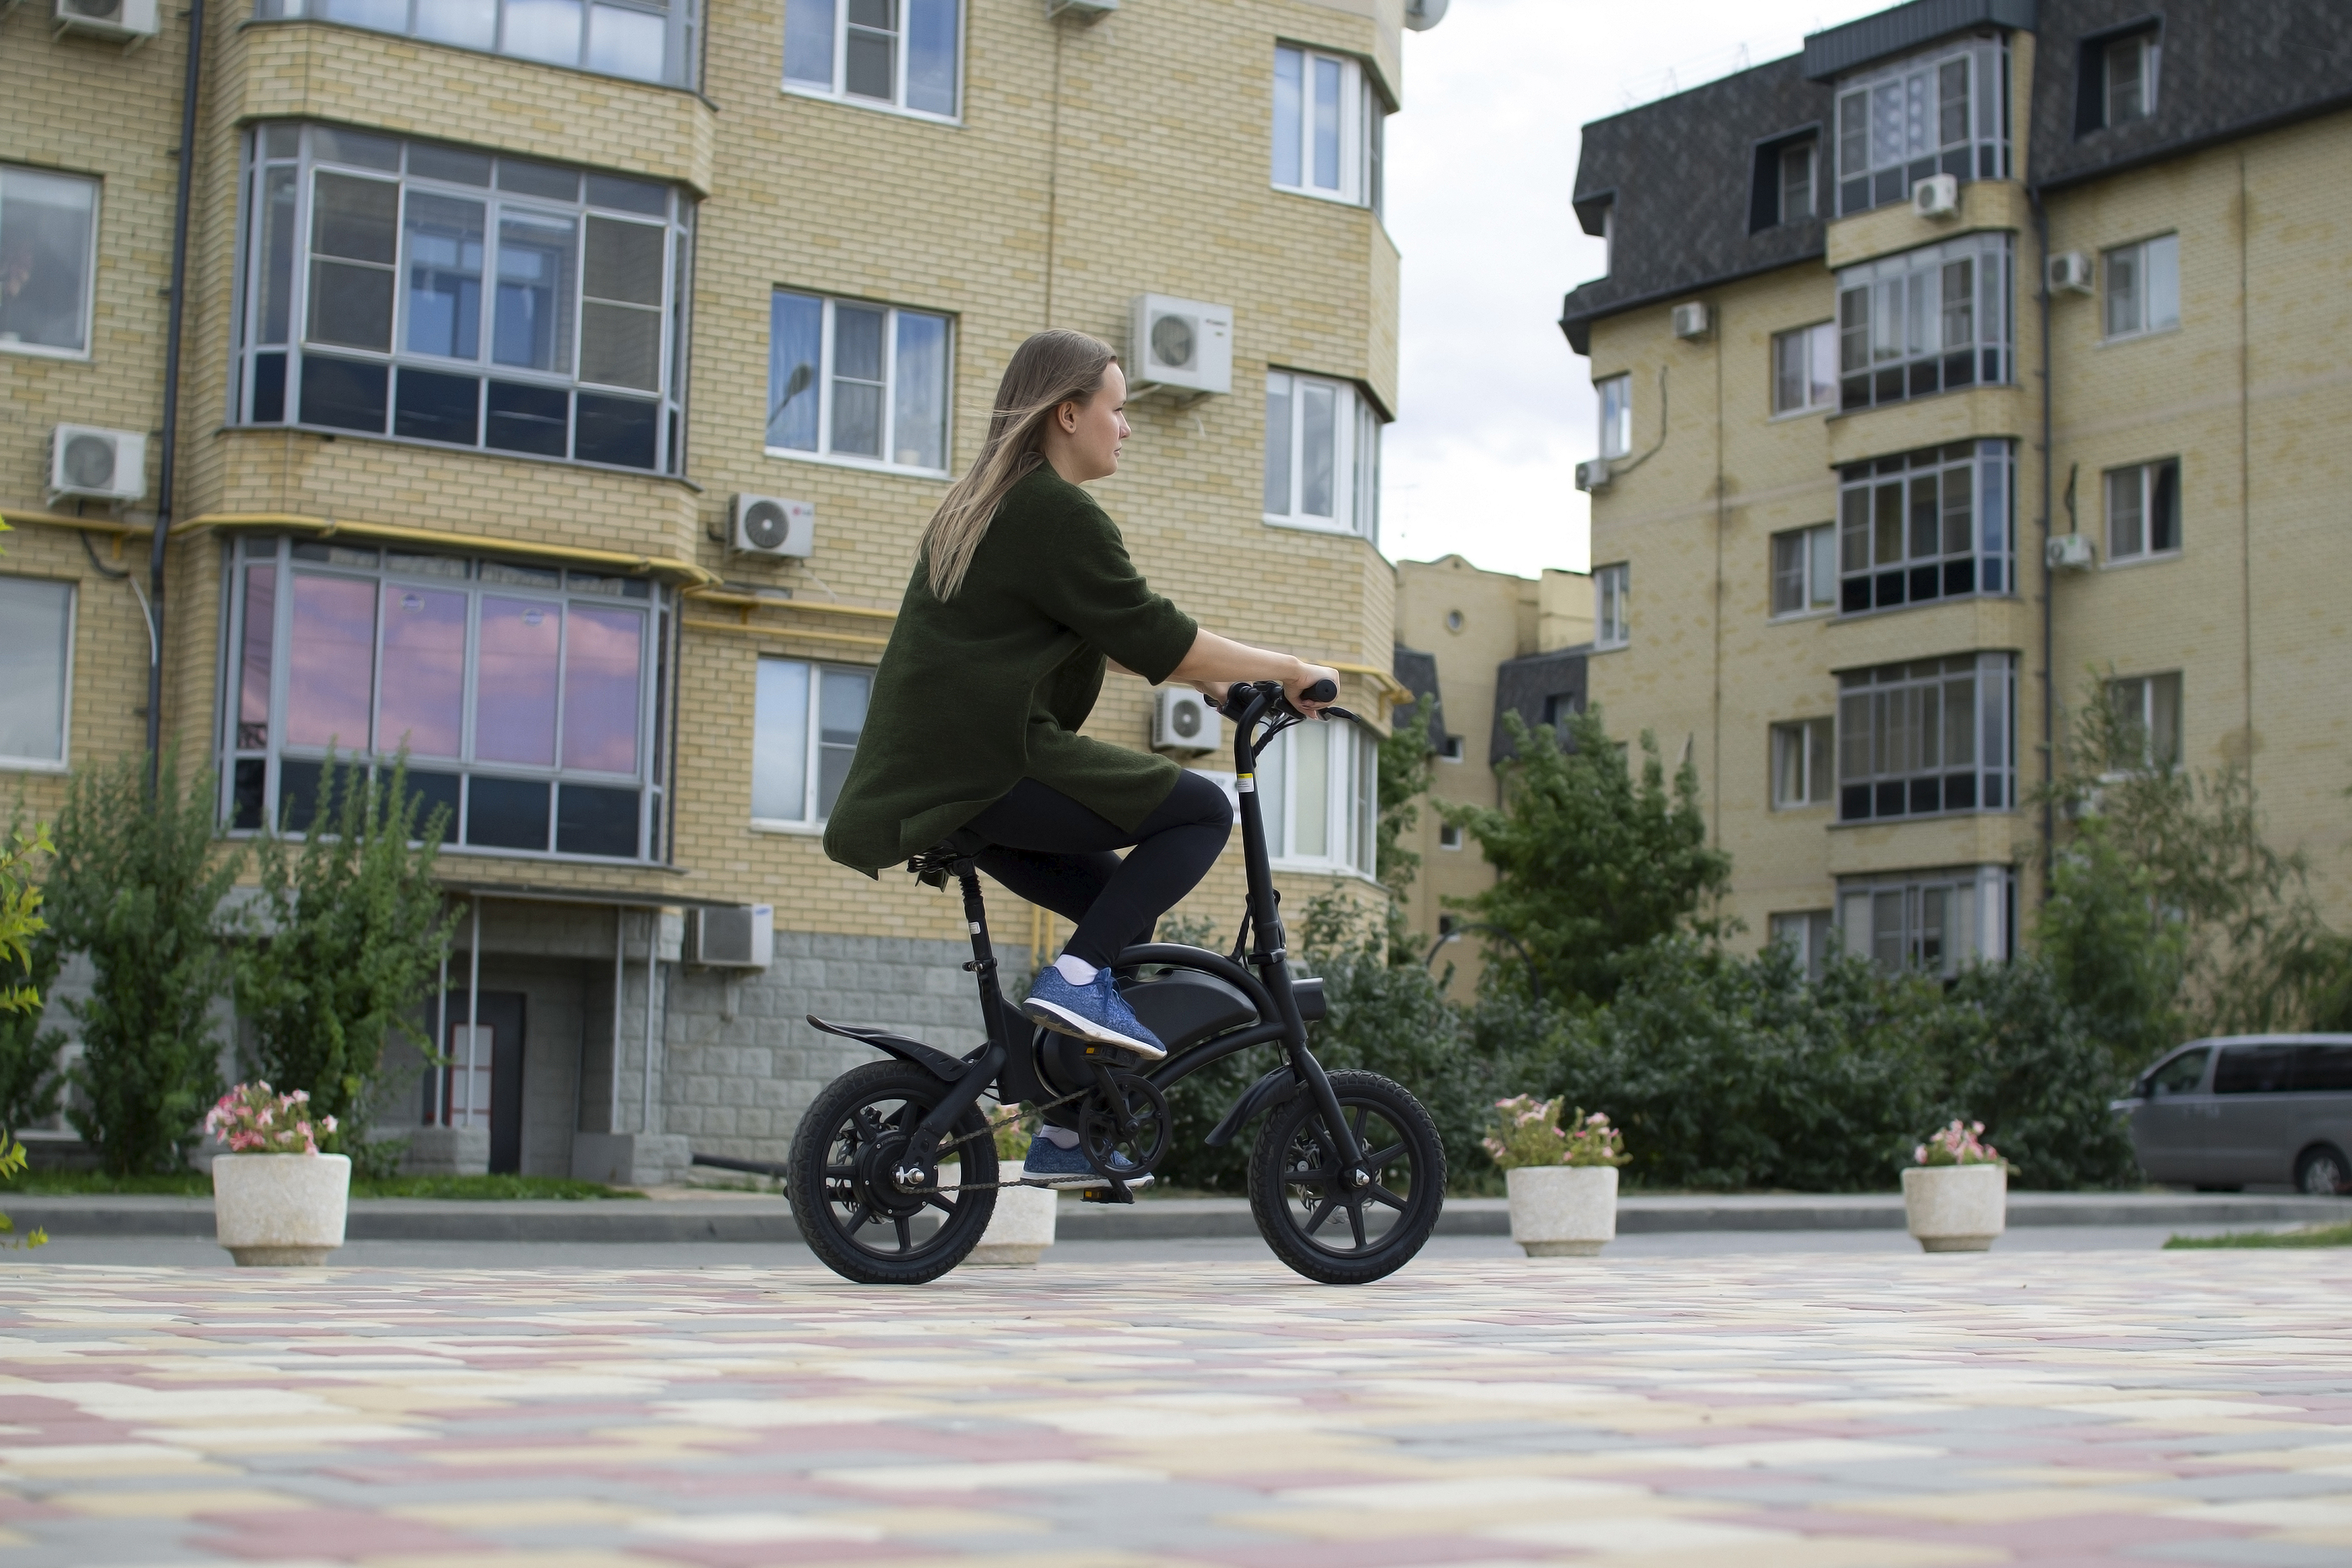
x=991 y=686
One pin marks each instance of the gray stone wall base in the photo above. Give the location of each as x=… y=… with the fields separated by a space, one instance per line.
x=631 y=1159
x=447 y=1151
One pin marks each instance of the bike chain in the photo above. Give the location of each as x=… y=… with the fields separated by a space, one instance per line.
x=990 y=1131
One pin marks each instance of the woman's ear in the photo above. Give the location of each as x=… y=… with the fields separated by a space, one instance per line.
x=1067 y=416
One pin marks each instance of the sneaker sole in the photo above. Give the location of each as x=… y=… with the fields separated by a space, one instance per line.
x=1077 y=1182
x=1062 y=1020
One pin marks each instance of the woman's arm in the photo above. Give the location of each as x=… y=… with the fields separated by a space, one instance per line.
x=1214 y=663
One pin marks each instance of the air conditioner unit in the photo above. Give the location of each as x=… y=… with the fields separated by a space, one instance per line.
x=1182 y=345
x=2069 y=273
x=742 y=937
x=2069 y=552
x=1693 y=319
x=125 y=19
x=1183 y=720
x=769 y=525
x=1937 y=197
x=1592 y=476
x=102 y=465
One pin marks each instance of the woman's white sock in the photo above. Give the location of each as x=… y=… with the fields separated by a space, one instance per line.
x=1077 y=971
x=1060 y=1137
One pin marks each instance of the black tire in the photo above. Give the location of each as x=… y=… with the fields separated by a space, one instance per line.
x=840 y=1186
x=2321 y=1171
x=1295 y=1189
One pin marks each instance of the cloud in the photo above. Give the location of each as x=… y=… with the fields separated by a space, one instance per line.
x=1495 y=409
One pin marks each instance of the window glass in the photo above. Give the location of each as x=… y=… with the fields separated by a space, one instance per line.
x=645 y=40
x=800 y=757
x=902 y=54
x=1289 y=100
x=1807 y=934
x=1322 y=454
x=330 y=676
x=1327 y=127
x=36 y=662
x=420 y=283
x=1610 y=590
x=1939 y=923
x=515 y=681
x=2143 y=286
x=2143 y=509
x=1278 y=444
x=886 y=398
x=602 y=652
x=1927 y=321
x=2184 y=1074
x=2130 y=80
x=1931 y=737
x=2323 y=1069
x=47 y=237
x=1925 y=525
x=1935 y=113
x=2254 y=1070
x=1616 y=394
x=1317 y=791
x=1805 y=368
x=424 y=708
x=2147 y=713
x=808 y=42
x=1796 y=184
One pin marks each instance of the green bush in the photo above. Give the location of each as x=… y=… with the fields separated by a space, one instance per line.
x=29 y=960
x=137 y=884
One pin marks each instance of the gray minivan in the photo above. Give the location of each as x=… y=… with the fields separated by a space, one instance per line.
x=2260 y=1110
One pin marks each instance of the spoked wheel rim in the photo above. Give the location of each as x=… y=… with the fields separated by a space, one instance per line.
x=867 y=1211
x=1326 y=1210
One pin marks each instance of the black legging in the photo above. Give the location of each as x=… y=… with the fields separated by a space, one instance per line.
x=1055 y=852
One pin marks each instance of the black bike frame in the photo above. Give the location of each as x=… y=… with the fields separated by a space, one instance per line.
x=1270 y=989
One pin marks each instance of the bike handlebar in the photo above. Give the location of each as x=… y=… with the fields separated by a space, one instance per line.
x=1242 y=694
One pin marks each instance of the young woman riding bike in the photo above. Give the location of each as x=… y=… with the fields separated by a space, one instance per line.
x=1022 y=595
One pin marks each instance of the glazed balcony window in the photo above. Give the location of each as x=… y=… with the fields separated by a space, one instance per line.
x=529 y=698
x=884 y=54
x=1322 y=455
x=1925 y=525
x=1329 y=123
x=645 y=40
x=1937 y=113
x=1926 y=321
x=1928 y=737
x=48 y=231
x=431 y=293
x=1937 y=923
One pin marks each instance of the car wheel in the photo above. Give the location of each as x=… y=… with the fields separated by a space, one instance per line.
x=2321 y=1172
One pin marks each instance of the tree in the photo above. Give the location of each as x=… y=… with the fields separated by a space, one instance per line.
x=137 y=885
x=1588 y=866
x=29 y=960
x=1406 y=764
x=353 y=932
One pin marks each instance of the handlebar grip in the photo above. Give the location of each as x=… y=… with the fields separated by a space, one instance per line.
x=1321 y=692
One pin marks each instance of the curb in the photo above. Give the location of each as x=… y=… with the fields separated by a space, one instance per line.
x=770 y=1220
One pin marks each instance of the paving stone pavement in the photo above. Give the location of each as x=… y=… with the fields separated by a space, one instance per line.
x=1826 y=1410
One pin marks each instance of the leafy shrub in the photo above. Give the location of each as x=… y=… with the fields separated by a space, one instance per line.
x=29 y=960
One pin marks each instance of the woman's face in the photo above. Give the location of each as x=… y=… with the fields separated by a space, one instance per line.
x=1090 y=432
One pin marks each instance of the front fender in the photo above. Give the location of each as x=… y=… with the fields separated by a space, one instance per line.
x=1269 y=1091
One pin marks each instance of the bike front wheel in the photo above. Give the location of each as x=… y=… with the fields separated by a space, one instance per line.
x=859 y=1224
x=1314 y=1216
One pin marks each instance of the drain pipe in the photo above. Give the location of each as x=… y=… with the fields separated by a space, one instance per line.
x=2049 y=578
x=171 y=431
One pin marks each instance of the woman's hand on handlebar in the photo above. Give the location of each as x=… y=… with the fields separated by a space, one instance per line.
x=1295 y=689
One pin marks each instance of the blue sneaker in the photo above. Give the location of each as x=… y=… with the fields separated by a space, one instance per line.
x=1048 y=1164
x=1093 y=1012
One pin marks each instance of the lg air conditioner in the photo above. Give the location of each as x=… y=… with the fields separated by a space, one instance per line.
x=1181 y=345
x=130 y=20
x=1183 y=720
x=2068 y=552
x=741 y=937
x=1693 y=319
x=1592 y=476
x=769 y=525
x=2069 y=273
x=1937 y=197
x=97 y=464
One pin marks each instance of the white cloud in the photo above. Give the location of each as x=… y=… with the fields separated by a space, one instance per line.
x=1496 y=409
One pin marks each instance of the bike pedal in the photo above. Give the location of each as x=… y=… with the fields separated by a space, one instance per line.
x=1115 y=1193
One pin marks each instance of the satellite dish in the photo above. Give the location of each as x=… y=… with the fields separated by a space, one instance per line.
x=1420 y=16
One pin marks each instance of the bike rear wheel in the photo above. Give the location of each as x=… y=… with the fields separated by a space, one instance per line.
x=1313 y=1217
x=850 y=1213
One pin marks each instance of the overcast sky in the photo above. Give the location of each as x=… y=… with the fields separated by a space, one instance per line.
x=1496 y=410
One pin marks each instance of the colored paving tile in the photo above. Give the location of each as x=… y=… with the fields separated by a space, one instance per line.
x=1824 y=1411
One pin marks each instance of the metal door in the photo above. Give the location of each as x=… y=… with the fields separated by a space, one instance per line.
x=482 y=1085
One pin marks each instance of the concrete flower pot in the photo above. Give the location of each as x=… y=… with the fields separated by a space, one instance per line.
x=279 y=1211
x=1562 y=1211
x=1022 y=1228
x=1956 y=1208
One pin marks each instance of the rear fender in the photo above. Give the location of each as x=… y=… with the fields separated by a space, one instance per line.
x=1274 y=1089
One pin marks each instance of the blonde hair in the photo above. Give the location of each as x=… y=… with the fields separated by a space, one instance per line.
x=1051 y=368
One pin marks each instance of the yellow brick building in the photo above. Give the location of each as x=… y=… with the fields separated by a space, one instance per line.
x=505 y=322
x=1854 y=296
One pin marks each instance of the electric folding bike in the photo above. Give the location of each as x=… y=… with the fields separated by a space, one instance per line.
x=893 y=1171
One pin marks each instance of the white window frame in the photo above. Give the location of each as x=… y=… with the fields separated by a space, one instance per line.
x=1896 y=730
x=1611 y=605
x=1616 y=429
x=823 y=390
x=2141 y=481
x=1451 y=750
x=1912 y=89
x=1810 y=745
x=837 y=90
x=1974 y=909
x=1355 y=463
x=11 y=762
x=1887 y=553
x=1449 y=835
x=812 y=744
x=2141 y=700
x=2147 y=74
x=681 y=28
x=2139 y=254
x=1810 y=150
x=1817 y=564
x=1351 y=798
x=90 y=266
x=1817 y=346
x=1362 y=112
x=1808 y=932
x=1898 y=313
